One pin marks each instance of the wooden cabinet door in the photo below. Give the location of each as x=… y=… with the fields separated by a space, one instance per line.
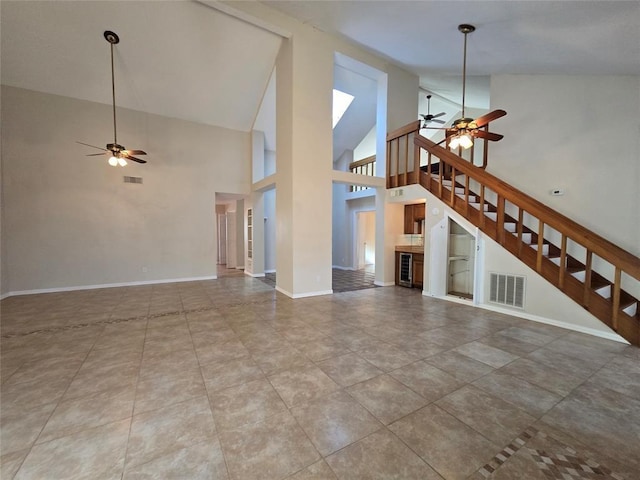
x=412 y=214
x=418 y=268
x=408 y=219
x=418 y=212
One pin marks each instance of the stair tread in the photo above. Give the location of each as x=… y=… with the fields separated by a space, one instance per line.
x=628 y=305
x=598 y=284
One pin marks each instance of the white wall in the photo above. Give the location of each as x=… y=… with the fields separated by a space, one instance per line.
x=240 y=229
x=269 y=162
x=270 y=230
x=4 y=272
x=232 y=232
x=303 y=137
x=579 y=133
x=366 y=147
x=270 y=214
x=543 y=301
x=69 y=220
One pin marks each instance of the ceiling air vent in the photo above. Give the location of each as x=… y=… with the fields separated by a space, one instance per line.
x=507 y=289
x=132 y=179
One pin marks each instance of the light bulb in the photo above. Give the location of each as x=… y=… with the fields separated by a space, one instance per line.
x=465 y=141
x=455 y=141
x=113 y=161
x=122 y=162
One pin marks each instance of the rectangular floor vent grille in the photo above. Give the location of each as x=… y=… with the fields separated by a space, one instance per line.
x=507 y=290
x=132 y=179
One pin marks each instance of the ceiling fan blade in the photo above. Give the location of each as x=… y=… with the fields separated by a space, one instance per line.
x=488 y=135
x=92 y=146
x=95 y=154
x=438 y=115
x=134 y=152
x=489 y=117
x=441 y=122
x=129 y=157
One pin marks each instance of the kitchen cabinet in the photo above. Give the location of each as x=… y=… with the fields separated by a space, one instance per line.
x=409 y=273
x=418 y=267
x=413 y=218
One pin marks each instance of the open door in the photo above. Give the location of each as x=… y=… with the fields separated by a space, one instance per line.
x=365 y=240
x=461 y=262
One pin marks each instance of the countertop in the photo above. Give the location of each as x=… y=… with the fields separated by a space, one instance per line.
x=410 y=248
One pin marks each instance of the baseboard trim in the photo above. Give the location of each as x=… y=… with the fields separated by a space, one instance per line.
x=303 y=295
x=339 y=267
x=254 y=275
x=107 y=285
x=270 y=271
x=535 y=318
x=557 y=323
x=384 y=284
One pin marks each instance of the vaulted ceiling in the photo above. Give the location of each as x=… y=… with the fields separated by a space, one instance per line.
x=178 y=59
x=186 y=60
x=512 y=37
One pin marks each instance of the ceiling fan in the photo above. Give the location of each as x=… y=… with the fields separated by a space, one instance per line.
x=118 y=154
x=464 y=129
x=428 y=118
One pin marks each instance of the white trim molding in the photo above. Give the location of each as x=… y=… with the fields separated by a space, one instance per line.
x=107 y=285
x=303 y=295
x=535 y=318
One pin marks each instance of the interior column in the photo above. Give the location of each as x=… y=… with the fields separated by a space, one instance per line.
x=304 y=140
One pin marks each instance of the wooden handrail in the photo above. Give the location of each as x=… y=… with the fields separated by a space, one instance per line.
x=364 y=161
x=408 y=128
x=593 y=242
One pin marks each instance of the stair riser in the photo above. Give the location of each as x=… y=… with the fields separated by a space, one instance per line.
x=598 y=301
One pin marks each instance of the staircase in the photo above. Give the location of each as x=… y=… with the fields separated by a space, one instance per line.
x=571 y=257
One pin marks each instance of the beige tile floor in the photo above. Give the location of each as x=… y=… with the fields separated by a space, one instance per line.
x=228 y=379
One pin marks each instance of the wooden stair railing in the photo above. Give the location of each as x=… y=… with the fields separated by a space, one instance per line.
x=570 y=256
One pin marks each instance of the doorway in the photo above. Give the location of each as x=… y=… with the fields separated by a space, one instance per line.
x=366 y=240
x=461 y=262
x=222 y=239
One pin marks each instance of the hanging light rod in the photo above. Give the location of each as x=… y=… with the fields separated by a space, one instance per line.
x=464 y=129
x=118 y=154
x=466 y=29
x=114 y=39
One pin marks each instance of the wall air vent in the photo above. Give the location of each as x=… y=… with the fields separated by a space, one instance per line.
x=132 y=179
x=507 y=289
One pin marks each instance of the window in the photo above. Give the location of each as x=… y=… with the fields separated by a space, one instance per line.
x=341 y=102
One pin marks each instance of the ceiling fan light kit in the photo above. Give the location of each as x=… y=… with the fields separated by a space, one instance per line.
x=118 y=155
x=428 y=118
x=466 y=128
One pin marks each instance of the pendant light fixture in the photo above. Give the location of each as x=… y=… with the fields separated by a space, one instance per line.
x=462 y=138
x=118 y=155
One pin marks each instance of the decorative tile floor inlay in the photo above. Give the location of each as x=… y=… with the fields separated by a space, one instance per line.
x=555 y=465
x=507 y=452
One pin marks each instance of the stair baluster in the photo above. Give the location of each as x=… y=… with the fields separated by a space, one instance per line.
x=603 y=297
